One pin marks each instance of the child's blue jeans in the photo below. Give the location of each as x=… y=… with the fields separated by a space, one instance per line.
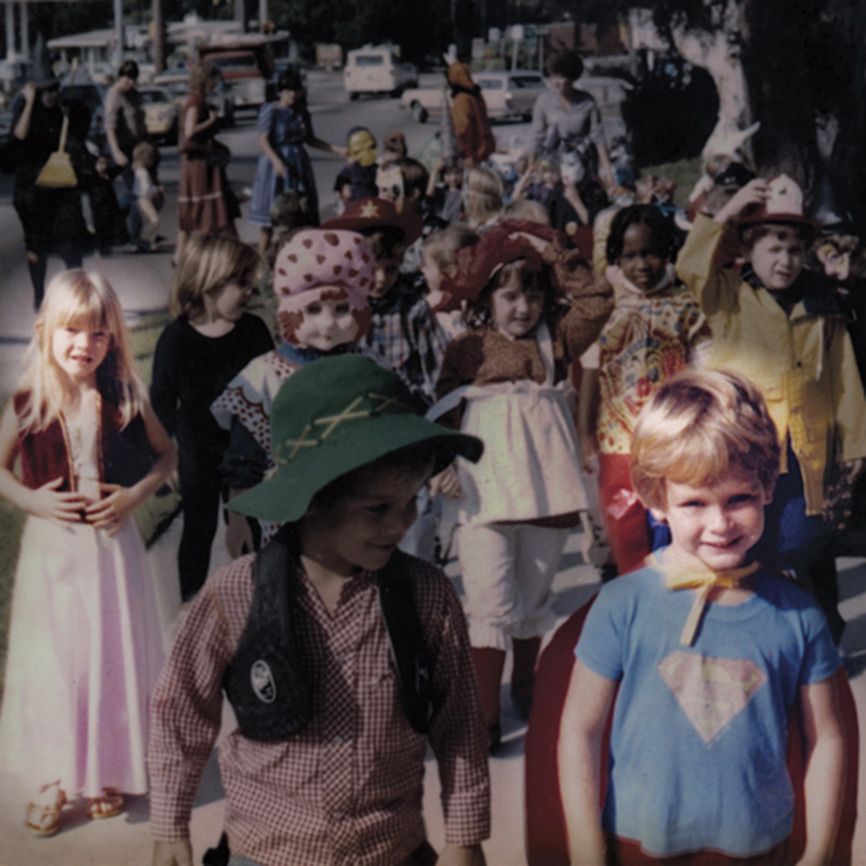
x=800 y=542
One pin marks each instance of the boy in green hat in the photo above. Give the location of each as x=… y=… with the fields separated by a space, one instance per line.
x=339 y=654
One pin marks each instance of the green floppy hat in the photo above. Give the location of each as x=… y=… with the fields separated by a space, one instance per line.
x=331 y=417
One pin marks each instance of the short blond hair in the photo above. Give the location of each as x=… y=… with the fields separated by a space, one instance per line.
x=441 y=247
x=208 y=263
x=482 y=195
x=698 y=427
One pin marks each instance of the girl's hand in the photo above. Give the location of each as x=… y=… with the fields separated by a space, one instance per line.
x=110 y=513
x=239 y=535
x=753 y=193
x=279 y=167
x=446 y=483
x=47 y=501
x=589 y=455
x=172 y=853
x=29 y=92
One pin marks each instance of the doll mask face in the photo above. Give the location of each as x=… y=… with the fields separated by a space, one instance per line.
x=362 y=148
x=321 y=319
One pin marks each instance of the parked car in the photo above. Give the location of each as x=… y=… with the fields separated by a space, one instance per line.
x=377 y=69
x=508 y=95
x=161 y=114
x=176 y=81
x=246 y=68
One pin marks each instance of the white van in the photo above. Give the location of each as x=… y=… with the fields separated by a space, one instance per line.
x=377 y=69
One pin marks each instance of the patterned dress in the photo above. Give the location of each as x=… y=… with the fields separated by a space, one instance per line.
x=287 y=130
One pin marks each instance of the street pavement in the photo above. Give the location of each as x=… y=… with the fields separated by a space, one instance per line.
x=143 y=282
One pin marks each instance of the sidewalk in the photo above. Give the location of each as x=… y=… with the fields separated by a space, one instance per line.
x=125 y=840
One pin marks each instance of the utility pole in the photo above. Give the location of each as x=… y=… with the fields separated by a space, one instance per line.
x=118 y=34
x=241 y=14
x=157 y=25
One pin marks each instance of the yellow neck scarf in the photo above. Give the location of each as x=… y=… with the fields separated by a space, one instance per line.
x=693 y=574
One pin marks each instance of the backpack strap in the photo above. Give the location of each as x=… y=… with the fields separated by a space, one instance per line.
x=409 y=654
x=269 y=683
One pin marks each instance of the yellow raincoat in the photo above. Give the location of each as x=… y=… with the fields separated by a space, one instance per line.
x=803 y=363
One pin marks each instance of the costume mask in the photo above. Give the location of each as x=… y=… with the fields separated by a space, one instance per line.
x=362 y=148
x=317 y=263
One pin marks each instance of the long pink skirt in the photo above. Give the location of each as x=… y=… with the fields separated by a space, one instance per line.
x=85 y=649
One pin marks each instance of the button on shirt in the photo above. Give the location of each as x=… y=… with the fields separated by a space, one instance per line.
x=347 y=789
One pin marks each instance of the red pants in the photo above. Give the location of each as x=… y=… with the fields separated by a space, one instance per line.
x=624 y=516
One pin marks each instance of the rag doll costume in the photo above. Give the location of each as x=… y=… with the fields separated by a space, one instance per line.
x=314 y=264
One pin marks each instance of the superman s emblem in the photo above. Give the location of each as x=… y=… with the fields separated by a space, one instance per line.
x=710 y=691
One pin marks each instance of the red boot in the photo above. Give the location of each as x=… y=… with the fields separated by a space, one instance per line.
x=523 y=674
x=489 y=663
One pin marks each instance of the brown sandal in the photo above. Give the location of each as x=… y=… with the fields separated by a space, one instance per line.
x=43 y=819
x=107 y=806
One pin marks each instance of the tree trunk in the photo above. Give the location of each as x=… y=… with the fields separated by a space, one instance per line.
x=718 y=51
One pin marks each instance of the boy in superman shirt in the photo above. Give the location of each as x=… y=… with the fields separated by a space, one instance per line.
x=704 y=655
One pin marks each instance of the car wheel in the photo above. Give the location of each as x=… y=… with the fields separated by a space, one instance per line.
x=172 y=135
x=419 y=112
x=354 y=97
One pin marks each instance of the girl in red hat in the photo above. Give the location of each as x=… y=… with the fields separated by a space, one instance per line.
x=508 y=377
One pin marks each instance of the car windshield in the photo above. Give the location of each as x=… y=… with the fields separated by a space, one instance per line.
x=150 y=97
x=239 y=61
x=369 y=60
x=491 y=83
x=526 y=81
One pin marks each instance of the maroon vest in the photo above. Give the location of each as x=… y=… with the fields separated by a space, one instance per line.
x=124 y=455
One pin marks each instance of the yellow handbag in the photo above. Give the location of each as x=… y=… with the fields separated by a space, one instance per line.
x=58 y=173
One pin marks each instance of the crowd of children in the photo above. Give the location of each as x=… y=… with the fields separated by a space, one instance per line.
x=440 y=358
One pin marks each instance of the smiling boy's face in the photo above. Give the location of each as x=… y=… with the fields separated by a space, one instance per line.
x=778 y=257
x=361 y=529
x=717 y=522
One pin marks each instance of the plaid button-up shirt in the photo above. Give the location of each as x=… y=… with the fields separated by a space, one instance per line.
x=406 y=332
x=348 y=788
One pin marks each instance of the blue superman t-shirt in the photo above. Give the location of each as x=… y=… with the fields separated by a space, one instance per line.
x=699 y=738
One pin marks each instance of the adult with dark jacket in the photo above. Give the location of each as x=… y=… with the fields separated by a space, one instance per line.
x=52 y=218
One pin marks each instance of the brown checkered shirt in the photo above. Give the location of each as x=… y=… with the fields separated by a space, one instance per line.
x=347 y=789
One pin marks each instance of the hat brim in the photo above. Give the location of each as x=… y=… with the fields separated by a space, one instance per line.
x=783 y=218
x=410 y=224
x=285 y=496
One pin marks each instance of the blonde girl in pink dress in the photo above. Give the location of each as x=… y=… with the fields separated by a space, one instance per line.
x=85 y=644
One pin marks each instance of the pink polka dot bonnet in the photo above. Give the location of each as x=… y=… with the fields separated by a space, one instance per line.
x=314 y=258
